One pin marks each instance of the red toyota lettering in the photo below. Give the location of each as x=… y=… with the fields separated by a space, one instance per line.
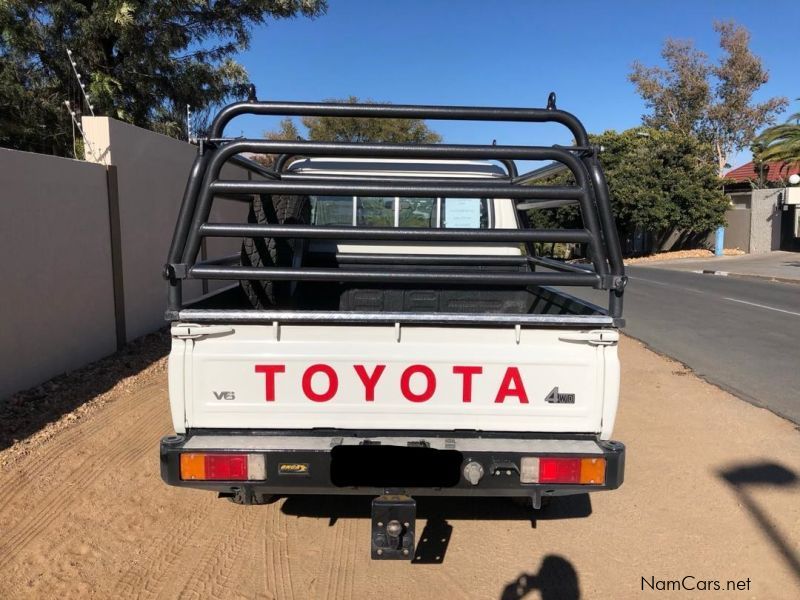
x=466 y=374
x=430 y=385
x=369 y=381
x=333 y=383
x=269 y=381
x=512 y=386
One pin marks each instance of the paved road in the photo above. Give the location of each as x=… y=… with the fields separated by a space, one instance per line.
x=741 y=334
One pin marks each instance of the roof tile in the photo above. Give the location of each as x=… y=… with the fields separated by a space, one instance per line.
x=775 y=171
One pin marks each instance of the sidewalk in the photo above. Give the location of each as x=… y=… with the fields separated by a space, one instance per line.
x=775 y=266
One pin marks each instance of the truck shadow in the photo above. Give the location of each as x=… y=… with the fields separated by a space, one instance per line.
x=556 y=579
x=437 y=511
x=744 y=477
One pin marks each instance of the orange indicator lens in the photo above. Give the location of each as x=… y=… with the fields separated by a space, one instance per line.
x=193 y=466
x=593 y=471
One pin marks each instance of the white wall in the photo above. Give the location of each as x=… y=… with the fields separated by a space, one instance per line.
x=152 y=171
x=765 y=221
x=57 y=302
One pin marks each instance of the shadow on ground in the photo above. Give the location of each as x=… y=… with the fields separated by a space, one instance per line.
x=26 y=412
x=742 y=479
x=437 y=511
x=556 y=579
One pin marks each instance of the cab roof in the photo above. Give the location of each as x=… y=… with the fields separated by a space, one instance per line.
x=397 y=167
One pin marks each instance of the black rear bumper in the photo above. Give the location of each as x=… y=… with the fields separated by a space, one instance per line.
x=428 y=464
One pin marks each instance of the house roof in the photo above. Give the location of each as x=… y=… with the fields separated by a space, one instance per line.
x=774 y=171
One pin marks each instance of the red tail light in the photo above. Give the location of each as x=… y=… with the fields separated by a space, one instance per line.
x=559 y=470
x=226 y=466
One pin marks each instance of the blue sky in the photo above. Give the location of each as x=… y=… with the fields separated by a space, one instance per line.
x=504 y=54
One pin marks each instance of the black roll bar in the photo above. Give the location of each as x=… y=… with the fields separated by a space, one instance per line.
x=586 y=278
x=590 y=191
x=416 y=234
x=399 y=111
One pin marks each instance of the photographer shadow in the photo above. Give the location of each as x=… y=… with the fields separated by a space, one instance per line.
x=745 y=477
x=556 y=579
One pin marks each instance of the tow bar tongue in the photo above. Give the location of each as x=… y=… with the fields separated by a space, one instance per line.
x=393 y=524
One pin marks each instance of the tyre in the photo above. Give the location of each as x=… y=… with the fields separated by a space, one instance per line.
x=273 y=252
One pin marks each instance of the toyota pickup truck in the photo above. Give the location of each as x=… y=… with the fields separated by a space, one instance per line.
x=390 y=327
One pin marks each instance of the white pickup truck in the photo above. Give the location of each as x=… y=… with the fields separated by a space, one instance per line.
x=391 y=330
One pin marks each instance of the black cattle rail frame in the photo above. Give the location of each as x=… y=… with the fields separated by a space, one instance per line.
x=590 y=192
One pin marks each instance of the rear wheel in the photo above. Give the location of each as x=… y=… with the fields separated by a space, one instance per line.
x=273 y=252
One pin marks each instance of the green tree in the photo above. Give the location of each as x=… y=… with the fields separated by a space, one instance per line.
x=782 y=142
x=659 y=180
x=143 y=61
x=287 y=130
x=353 y=129
x=713 y=101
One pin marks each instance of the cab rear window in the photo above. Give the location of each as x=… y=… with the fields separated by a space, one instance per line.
x=462 y=213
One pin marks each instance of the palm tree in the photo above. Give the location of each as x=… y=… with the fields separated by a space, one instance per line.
x=782 y=142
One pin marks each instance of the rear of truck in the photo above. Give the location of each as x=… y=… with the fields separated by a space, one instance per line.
x=407 y=338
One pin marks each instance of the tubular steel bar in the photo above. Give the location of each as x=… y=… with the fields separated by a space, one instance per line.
x=393 y=187
x=556 y=264
x=393 y=233
x=187 y=207
x=382 y=150
x=254 y=167
x=447 y=277
x=399 y=111
x=510 y=166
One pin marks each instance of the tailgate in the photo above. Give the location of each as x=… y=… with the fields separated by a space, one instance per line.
x=383 y=377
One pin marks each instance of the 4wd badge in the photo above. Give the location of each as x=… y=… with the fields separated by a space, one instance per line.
x=555 y=398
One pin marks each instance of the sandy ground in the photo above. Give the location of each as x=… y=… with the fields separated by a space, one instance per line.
x=712 y=492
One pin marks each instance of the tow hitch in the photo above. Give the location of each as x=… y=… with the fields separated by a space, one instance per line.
x=393 y=524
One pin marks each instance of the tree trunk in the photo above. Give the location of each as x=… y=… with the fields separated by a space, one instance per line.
x=721 y=157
